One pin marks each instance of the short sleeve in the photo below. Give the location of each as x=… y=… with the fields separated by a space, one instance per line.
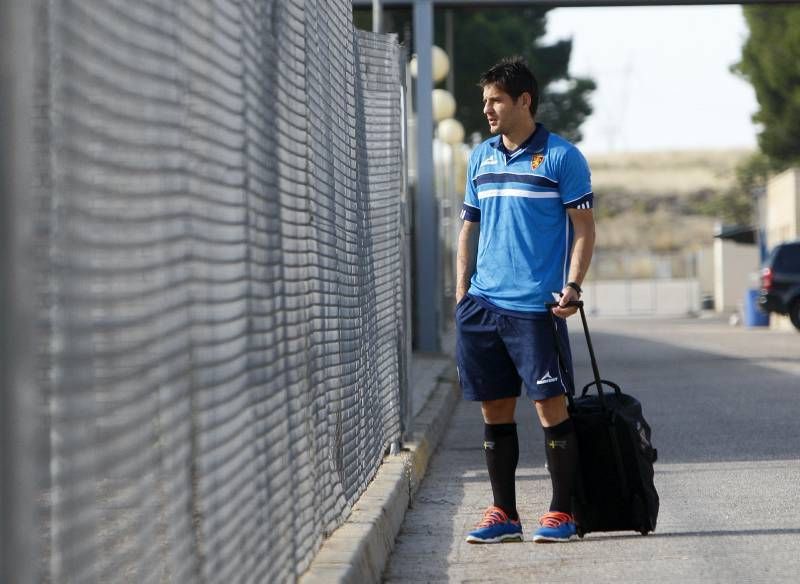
x=575 y=182
x=471 y=210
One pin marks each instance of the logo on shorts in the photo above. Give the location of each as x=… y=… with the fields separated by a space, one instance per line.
x=546 y=379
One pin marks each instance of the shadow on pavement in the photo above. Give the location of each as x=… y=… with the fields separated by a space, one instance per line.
x=712 y=533
x=703 y=407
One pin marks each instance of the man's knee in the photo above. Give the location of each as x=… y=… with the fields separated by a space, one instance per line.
x=499 y=411
x=552 y=411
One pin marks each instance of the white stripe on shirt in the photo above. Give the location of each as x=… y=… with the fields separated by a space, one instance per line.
x=566 y=251
x=516 y=193
x=517 y=173
x=578 y=198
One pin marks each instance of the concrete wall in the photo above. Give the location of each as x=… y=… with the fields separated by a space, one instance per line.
x=783 y=207
x=734 y=265
x=651 y=297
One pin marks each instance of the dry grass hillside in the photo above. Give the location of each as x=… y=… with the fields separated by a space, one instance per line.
x=652 y=200
x=660 y=174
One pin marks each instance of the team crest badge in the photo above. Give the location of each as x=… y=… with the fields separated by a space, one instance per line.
x=536 y=160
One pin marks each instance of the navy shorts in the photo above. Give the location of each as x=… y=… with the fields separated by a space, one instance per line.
x=499 y=352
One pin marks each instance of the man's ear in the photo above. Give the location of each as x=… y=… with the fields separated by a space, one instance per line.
x=526 y=99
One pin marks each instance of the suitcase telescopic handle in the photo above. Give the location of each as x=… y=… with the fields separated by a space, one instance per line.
x=559 y=349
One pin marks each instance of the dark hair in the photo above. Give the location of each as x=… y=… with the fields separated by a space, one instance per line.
x=513 y=76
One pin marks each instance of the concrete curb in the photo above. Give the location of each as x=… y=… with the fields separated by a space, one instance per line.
x=357 y=552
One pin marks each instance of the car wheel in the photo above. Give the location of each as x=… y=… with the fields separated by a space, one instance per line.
x=794 y=313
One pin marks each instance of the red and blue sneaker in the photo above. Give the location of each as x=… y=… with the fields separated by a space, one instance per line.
x=496 y=527
x=555 y=527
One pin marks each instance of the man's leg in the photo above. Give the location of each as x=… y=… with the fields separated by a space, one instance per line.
x=501 y=448
x=561 y=448
x=545 y=376
x=500 y=521
x=488 y=375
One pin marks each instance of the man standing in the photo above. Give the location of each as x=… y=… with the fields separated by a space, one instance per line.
x=528 y=232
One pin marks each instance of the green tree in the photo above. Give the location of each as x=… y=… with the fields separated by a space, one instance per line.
x=484 y=37
x=735 y=205
x=771 y=63
x=753 y=172
x=481 y=38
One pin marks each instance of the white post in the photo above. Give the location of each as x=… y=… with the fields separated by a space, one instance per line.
x=377 y=16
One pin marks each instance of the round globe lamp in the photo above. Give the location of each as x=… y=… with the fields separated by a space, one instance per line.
x=450 y=131
x=441 y=64
x=444 y=105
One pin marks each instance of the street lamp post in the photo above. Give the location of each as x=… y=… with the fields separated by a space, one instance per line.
x=426 y=231
x=377 y=16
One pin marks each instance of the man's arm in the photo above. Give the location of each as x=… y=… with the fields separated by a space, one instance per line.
x=580 y=258
x=466 y=257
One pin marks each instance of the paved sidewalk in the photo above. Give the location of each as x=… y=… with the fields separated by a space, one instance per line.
x=724 y=404
x=426 y=372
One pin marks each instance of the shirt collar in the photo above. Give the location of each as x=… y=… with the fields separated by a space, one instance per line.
x=534 y=143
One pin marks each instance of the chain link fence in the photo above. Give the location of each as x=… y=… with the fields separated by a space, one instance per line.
x=221 y=332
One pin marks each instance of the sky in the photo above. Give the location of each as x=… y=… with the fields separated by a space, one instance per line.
x=663 y=76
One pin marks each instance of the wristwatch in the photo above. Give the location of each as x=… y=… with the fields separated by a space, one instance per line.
x=576 y=287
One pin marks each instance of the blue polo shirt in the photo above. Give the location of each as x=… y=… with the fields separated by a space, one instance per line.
x=520 y=199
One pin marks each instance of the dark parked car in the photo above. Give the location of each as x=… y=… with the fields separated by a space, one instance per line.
x=780 y=282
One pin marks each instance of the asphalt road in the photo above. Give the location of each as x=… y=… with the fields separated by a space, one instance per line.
x=724 y=405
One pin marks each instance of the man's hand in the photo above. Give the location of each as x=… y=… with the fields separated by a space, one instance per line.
x=465 y=257
x=568 y=294
x=461 y=291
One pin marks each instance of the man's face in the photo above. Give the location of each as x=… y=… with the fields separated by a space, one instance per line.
x=501 y=111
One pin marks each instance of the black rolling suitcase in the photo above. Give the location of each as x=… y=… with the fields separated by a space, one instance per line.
x=615 y=490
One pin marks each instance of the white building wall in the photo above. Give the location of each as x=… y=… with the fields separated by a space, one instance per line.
x=783 y=207
x=782 y=221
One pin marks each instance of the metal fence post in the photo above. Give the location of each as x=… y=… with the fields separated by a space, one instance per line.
x=407 y=342
x=17 y=398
